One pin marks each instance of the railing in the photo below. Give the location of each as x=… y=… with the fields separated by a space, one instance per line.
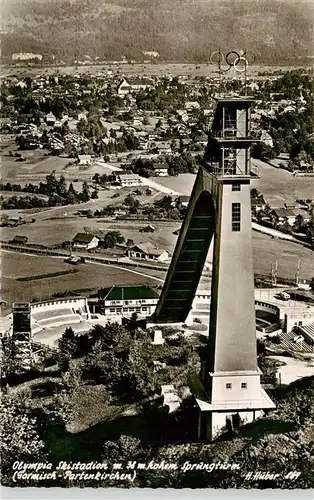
x=238 y=404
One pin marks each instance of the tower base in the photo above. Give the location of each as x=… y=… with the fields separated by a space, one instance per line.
x=219 y=416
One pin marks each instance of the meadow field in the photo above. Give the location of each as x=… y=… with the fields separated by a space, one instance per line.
x=89 y=276
x=138 y=69
x=277 y=185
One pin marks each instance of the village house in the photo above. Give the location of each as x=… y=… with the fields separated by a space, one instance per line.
x=266 y=138
x=124 y=88
x=50 y=119
x=127 y=180
x=192 y=105
x=258 y=203
x=84 y=160
x=147 y=251
x=163 y=147
x=85 y=241
x=20 y=240
x=201 y=139
x=182 y=202
x=283 y=215
x=160 y=169
x=138 y=84
x=148 y=229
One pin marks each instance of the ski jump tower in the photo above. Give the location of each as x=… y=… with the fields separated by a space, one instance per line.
x=228 y=392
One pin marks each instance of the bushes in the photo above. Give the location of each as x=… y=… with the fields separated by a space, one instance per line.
x=49 y=275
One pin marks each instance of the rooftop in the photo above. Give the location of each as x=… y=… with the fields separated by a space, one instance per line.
x=83 y=237
x=149 y=249
x=128 y=293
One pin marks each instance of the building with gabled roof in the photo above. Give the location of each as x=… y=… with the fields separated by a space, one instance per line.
x=124 y=88
x=160 y=169
x=147 y=251
x=127 y=180
x=85 y=241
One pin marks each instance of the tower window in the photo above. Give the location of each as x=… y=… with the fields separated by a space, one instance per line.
x=228 y=385
x=236 y=216
x=243 y=385
x=236 y=186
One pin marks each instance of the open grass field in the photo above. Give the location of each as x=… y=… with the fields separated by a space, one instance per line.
x=266 y=251
x=52 y=231
x=89 y=276
x=277 y=185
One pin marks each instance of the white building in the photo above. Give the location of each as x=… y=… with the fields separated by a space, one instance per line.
x=26 y=56
x=85 y=160
x=147 y=251
x=160 y=169
x=127 y=180
x=50 y=119
x=125 y=301
x=85 y=241
x=124 y=88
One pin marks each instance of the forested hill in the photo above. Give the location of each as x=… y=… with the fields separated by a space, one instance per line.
x=180 y=30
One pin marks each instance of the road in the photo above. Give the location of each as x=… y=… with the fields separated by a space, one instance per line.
x=159 y=187
x=293 y=369
x=275 y=233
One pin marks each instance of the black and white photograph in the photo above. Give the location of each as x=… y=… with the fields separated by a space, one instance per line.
x=157 y=245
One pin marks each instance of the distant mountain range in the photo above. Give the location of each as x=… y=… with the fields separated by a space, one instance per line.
x=179 y=30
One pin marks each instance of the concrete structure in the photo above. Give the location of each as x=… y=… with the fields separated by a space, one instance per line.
x=308 y=333
x=297 y=317
x=58 y=312
x=85 y=241
x=228 y=392
x=158 y=338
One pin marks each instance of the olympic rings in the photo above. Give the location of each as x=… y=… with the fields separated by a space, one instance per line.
x=233 y=59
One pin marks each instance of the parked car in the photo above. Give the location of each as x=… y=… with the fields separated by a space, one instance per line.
x=283 y=296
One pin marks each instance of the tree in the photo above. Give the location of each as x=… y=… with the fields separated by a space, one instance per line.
x=299 y=223
x=51 y=183
x=20 y=440
x=71 y=194
x=85 y=192
x=132 y=203
x=67 y=346
x=62 y=186
x=9 y=363
x=65 y=129
x=263 y=152
x=96 y=178
x=111 y=239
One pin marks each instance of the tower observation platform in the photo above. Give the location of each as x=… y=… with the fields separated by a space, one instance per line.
x=229 y=390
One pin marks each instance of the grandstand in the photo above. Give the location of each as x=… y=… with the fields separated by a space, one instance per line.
x=65 y=311
x=308 y=333
x=287 y=342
